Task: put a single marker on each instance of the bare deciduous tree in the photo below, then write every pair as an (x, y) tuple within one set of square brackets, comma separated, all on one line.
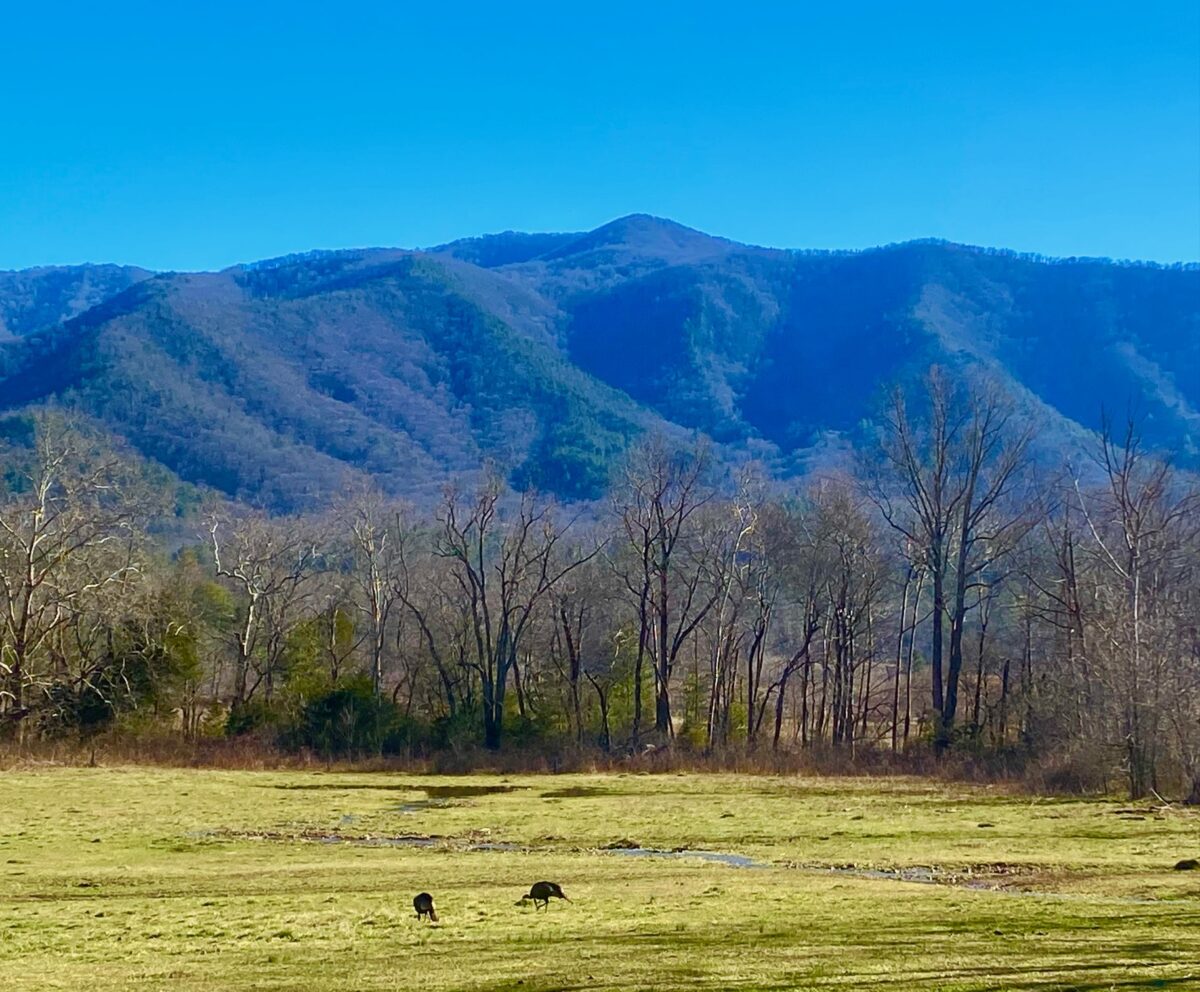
[(69, 537), (658, 500), (268, 562), (505, 565), (948, 484)]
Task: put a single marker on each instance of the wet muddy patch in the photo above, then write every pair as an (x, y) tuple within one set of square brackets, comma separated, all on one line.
[(465, 791), (432, 791), (981, 876), (990, 876), (1000, 878), (443, 796), (576, 792), (436, 796), (342, 786)]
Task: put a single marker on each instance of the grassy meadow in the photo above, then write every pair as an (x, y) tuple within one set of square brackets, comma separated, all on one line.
[(138, 878)]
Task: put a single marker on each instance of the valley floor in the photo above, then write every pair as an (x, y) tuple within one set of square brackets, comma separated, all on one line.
[(136, 878)]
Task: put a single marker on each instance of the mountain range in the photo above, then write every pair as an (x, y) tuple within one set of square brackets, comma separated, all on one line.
[(277, 382)]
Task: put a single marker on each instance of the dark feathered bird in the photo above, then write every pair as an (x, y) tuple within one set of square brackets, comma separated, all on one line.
[(543, 892), (423, 904)]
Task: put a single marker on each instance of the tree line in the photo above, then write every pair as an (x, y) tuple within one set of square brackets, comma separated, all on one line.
[(950, 594)]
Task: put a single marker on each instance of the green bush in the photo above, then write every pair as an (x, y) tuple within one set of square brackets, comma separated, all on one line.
[(350, 720), (447, 731), (252, 716), (135, 675)]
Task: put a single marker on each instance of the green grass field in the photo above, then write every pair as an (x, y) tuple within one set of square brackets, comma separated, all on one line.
[(135, 878)]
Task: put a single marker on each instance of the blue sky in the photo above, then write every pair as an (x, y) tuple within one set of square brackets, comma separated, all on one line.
[(195, 136)]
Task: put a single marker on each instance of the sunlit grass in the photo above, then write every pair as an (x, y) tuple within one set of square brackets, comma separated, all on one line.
[(140, 878)]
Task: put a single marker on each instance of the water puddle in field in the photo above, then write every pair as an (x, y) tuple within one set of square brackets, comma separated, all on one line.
[(921, 874), (420, 805), (717, 857)]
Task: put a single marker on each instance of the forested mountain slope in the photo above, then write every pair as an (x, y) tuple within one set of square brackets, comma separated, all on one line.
[(279, 381), (32, 299)]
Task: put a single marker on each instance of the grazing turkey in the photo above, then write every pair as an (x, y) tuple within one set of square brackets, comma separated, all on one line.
[(543, 892), (423, 904)]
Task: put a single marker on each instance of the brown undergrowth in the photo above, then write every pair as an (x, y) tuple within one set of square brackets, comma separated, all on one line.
[(1055, 776)]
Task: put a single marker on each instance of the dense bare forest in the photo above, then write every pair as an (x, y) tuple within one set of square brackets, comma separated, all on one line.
[(951, 596)]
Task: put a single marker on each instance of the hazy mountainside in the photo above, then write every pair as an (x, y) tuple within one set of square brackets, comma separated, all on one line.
[(32, 299), (549, 353)]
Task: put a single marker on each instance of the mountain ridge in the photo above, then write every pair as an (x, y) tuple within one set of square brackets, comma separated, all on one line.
[(280, 381)]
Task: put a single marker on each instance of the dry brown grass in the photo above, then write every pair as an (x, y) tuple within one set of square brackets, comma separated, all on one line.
[(251, 753)]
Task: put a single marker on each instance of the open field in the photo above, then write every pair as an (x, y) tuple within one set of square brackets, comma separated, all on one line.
[(135, 878)]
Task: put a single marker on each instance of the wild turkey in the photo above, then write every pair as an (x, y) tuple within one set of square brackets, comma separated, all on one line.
[(543, 892), (423, 904)]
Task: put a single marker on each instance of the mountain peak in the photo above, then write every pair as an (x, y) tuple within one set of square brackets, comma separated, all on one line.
[(643, 236), (649, 224)]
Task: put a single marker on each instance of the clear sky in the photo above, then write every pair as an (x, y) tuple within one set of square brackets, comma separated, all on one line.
[(180, 135)]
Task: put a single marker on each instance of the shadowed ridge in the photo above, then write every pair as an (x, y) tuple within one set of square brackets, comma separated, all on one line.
[(491, 251), (62, 356)]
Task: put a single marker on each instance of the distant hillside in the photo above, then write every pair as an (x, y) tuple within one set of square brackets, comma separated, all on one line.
[(33, 299), (549, 353)]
